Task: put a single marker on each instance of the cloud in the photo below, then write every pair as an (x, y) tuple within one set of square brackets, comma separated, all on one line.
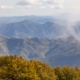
[(39, 3), (23, 3), (54, 2), (6, 7), (28, 2), (59, 6)]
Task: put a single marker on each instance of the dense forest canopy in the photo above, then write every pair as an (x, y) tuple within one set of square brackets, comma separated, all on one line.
[(17, 68)]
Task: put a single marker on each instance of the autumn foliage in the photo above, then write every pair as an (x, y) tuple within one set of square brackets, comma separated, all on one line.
[(17, 68)]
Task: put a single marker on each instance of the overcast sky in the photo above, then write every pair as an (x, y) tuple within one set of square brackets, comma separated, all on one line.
[(38, 7)]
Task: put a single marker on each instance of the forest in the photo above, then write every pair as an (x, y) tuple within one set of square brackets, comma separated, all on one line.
[(17, 68)]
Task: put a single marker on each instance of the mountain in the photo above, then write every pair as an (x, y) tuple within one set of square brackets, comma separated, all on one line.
[(37, 19), (49, 30), (31, 47), (19, 29), (47, 41), (28, 28), (63, 51)]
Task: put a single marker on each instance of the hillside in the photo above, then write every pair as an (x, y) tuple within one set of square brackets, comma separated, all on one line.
[(19, 29), (63, 51), (49, 30), (31, 47), (28, 29)]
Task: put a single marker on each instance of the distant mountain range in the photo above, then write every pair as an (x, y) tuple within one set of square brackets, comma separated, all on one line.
[(28, 29), (49, 30), (44, 38), (37, 19), (64, 51)]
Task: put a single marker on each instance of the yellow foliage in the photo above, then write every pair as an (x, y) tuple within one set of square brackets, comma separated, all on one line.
[(17, 68)]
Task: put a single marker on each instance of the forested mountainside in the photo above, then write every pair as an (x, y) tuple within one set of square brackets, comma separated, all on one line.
[(49, 30), (28, 29), (63, 51)]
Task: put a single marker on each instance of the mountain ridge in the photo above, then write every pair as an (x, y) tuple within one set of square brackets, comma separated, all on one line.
[(53, 51), (28, 28)]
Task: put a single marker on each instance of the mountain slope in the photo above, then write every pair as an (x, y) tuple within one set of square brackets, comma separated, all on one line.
[(57, 52), (64, 52), (20, 29), (28, 29), (49, 30), (32, 47)]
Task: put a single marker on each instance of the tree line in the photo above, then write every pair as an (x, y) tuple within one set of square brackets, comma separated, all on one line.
[(17, 68)]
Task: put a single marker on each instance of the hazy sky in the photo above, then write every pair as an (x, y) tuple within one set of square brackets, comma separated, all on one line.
[(38, 7)]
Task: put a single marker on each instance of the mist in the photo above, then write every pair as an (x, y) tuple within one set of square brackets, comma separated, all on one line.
[(70, 26)]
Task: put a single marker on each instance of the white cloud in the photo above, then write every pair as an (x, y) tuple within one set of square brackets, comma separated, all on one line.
[(41, 3), (51, 6), (23, 3), (28, 2), (53, 1), (59, 6), (6, 7)]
